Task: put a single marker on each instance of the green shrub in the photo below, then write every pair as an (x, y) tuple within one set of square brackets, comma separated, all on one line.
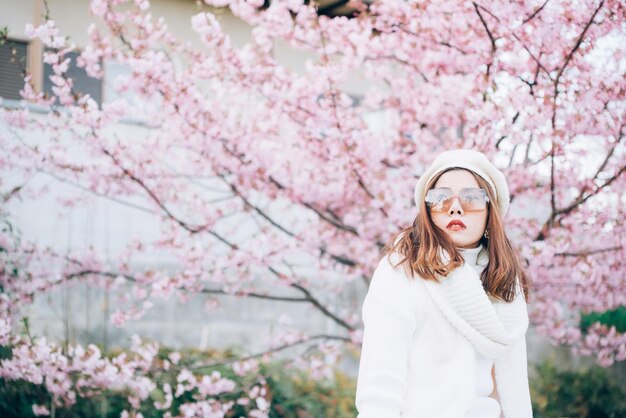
[(615, 317), (592, 393), (17, 398), (295, 394)]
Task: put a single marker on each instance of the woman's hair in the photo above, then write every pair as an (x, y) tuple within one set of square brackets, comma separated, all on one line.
[(420, 243)]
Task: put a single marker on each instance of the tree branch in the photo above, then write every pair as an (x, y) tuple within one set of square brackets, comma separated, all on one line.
[(535, 13), (568, 59), (588, 252), (581, 196), (552, 182), (269, 351), (129, 278), (308, 295), (340, 259), (153, 196), (598, 189), (333, 92), (578, 42), (482, 20)]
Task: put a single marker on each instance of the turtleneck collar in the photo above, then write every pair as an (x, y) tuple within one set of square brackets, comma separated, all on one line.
[(489, 324), (470, 255)]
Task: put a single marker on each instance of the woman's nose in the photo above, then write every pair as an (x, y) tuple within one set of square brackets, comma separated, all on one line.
[(455, 207)]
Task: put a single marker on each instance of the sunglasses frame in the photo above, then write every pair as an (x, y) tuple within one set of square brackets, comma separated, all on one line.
[(430, 204)]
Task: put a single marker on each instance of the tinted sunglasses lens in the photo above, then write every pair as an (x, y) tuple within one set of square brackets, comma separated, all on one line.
[(438, 200), (472, 200)]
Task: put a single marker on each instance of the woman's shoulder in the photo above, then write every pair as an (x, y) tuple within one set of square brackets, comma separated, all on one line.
[(392, 282)]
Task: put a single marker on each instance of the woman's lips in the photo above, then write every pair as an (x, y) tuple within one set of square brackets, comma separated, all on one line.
[(456, 228), (456, 225)]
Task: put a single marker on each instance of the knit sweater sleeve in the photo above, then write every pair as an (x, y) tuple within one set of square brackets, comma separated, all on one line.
[(389, 321), (512, 376), (512, 371)]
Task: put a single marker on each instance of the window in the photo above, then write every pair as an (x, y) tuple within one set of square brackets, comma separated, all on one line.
[(139, 106), (12, 67), (112, 71), (82, 82)]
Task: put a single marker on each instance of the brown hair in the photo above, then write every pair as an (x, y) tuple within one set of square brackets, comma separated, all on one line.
[(420, 242)]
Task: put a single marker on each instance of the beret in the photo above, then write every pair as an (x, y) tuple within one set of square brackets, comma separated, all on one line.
[(471, 160)]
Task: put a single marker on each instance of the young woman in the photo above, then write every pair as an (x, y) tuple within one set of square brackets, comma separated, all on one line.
[(445, 316)]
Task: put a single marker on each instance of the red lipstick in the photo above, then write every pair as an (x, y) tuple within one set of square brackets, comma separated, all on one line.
[(456, 225)]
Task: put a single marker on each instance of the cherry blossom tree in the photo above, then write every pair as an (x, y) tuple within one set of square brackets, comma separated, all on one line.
[(536, 85)]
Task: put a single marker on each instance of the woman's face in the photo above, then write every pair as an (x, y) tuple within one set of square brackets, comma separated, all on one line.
[(472, 225)]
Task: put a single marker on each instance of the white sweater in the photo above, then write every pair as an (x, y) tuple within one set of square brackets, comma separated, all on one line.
[(420, 340), (483, 406)]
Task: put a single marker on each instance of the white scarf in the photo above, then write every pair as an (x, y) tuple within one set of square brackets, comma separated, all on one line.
[(491, 327)]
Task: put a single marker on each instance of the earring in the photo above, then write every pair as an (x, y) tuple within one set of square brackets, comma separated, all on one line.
[(486, 234)]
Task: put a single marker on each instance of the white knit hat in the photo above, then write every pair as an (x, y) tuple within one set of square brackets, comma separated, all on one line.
[(471, 160)]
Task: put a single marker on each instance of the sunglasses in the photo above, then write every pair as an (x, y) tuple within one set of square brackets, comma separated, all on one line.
[(472, 199)]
